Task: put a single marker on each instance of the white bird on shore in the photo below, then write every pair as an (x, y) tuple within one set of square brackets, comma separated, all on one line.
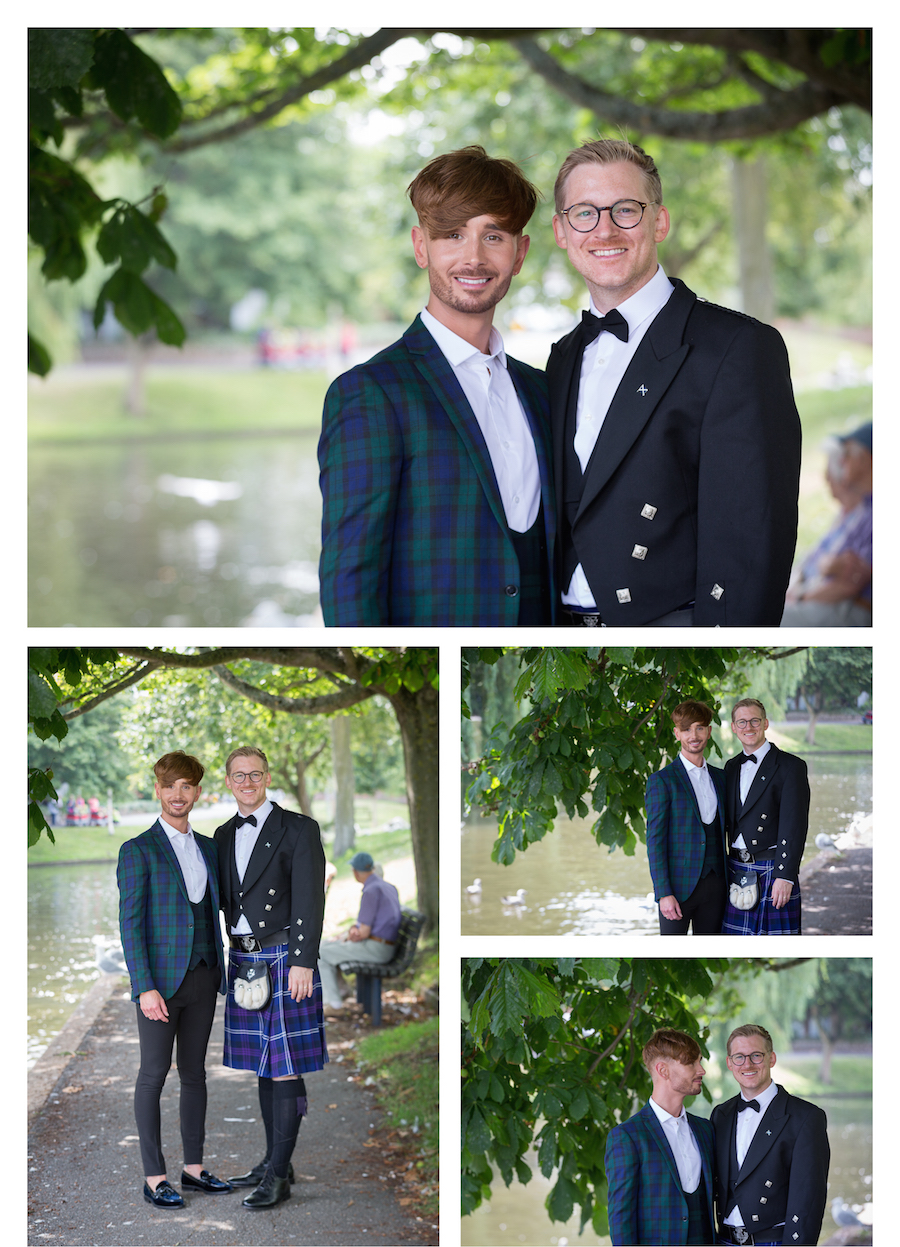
[(825, 842), (842, 1213), (518, 899), (474, 888), (109, 956)]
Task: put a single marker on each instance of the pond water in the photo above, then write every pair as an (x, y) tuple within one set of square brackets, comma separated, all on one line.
[(576, 887), (220, 531), (516, 1215)]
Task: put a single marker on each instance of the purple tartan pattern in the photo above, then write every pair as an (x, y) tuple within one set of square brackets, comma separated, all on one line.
[(288, 1036), (763, 918)]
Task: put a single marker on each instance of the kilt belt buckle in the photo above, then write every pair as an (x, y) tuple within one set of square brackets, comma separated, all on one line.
[(741, 1235), (250, 944), (744, 856)]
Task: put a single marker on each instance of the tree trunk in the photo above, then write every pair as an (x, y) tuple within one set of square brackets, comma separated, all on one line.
[(342, 762), (417, 714), (135, 391), (750, 211), (301, 789)]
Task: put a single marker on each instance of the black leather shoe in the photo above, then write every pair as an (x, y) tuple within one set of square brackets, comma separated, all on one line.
[(165, 1196), (207, 1182), (254, 1176), (270, 1192)]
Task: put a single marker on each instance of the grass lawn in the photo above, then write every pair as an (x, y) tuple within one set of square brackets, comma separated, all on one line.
[(403, 1064), (85, 405), (799, 1074), (830, 738)]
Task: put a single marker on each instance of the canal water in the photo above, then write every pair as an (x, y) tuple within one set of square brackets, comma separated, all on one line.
[(220, 531), (574, 886)]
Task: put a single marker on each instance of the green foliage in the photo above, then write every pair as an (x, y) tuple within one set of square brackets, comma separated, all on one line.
[(63, 207), (410, 668), (599, 727), (89, 759), (835, 675), (551, 1059)]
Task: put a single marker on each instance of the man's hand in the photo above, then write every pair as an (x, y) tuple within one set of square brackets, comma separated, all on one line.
[(353, 935), (781, 892), (153, 1006), (300, 982), (669, 908)]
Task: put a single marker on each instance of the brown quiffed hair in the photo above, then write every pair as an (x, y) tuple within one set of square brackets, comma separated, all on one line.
[(178, 765), (692, 711), (459, 185), (246, 751), (670, 1045), (609, 152), (747, 1032), (748, 701)]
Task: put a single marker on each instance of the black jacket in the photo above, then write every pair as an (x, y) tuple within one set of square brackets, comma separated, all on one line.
[(775, 817)]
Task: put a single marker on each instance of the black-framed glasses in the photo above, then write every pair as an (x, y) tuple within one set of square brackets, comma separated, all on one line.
[(238, 776), (755, 1058), (742, 723), (626, 213)]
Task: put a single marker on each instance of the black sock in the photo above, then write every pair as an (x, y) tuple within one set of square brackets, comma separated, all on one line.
[(265, 1108), (288, 1107)]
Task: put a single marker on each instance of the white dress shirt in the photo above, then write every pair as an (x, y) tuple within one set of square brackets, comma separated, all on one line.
[(704, 790), (602, 369), (749, 771), (683, 1144), (245, 838), (190, 859), (486, 383), (747, 1125)]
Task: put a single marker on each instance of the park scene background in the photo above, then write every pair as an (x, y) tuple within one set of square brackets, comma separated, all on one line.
[(587, 874), (534, 1134), (99, 719), (256, 214)]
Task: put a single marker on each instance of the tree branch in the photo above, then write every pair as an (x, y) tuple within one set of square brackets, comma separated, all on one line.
[(350, 695), (625, 1030), (118, 686)]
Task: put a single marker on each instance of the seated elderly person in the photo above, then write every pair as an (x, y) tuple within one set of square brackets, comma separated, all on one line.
[(834, 585), (373, 937)]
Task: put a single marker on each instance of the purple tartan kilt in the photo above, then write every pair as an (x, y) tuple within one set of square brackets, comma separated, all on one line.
[(288, 1036), (763, 918)]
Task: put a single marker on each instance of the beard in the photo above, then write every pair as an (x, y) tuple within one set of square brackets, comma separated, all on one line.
[(473, 302)]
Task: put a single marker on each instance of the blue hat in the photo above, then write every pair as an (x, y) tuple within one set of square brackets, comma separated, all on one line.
[(362, 861), (862, 436)]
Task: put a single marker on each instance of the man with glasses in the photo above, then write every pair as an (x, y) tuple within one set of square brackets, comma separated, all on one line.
[(767, 806), (772, 1152), (435, 454), (676, 439), (272, 872)]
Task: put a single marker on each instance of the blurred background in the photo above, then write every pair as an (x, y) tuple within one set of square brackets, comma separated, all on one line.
[(177, 486)]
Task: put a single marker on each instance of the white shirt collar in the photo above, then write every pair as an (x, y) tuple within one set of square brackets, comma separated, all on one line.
[(172, 832), (765, 1098), (692, 765), (457, 349), (662, 1115), (261, 813), (761, 752), (645, 302)]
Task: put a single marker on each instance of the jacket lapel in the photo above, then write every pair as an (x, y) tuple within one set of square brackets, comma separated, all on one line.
[(540, 435), (774, 1121), (165, 848), (762, 780), (651, 1122), (682, 778), (270, 836), (655, 364), (431, 365)]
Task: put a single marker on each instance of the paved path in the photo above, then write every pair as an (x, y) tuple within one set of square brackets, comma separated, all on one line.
[(84, 1161), (837, 893)]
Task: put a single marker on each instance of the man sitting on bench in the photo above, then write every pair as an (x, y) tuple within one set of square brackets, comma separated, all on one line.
[(373, 937)]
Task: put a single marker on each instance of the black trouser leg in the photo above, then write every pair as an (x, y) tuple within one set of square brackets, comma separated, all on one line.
[(194, 1026), (705, 908), (288, 1106)]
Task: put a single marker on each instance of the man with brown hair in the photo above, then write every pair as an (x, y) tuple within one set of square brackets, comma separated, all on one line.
[(273, 892), (660, 1163), (169, 918), (772, 1152), (676, 439), (686, 830), (435, 454), (767, 803)]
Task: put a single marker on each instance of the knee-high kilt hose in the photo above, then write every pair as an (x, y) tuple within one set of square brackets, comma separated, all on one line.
[(288, 1036), (764, 918)]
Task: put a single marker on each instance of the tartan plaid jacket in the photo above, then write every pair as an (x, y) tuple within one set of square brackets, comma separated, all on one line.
[(646, 1200), (155, 915), (413, 527), (675, 836)]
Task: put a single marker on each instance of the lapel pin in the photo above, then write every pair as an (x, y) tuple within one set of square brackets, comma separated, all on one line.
[(642, 390)]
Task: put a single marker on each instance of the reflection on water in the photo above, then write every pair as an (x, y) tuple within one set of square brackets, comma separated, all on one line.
[(575, 887), (221, 531), (67, 907)]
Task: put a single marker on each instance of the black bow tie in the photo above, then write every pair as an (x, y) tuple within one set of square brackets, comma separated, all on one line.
[(748, 757), (748, 1104), (592, 326), (251, 818)]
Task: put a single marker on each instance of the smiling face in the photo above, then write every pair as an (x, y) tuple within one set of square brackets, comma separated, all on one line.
[(752, 1079), (693, 740), (176, 800), (751, 737), (614, 262), (249, 793), (470, 269)]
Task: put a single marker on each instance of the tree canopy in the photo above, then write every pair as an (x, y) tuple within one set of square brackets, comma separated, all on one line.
[(97, 93)]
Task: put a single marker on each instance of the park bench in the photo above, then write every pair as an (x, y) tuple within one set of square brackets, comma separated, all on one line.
[(369, 976)]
